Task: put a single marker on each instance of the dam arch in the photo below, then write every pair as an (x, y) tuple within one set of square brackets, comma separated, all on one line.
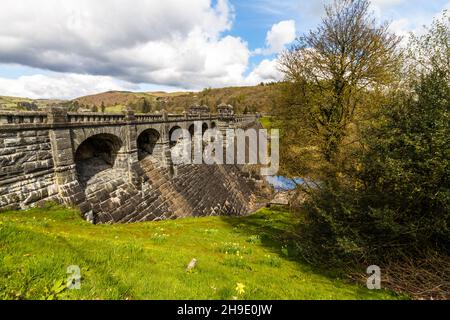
[(96, 154), (147, 143)]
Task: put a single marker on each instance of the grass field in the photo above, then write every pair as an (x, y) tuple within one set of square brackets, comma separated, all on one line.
[(238, 258)]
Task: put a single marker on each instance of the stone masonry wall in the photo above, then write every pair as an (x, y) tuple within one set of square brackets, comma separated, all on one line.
[(195, 190), (37, 164), (26, 169)]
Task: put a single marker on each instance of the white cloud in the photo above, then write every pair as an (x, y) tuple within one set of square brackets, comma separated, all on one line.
[(102, 45), (386, 4), (280, 35), (401, 27), (405, 26), (172, 42), (60, 86), (266, 71)]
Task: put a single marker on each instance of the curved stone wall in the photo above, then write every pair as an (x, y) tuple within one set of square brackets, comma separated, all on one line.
[(193, 190), (58, 156)]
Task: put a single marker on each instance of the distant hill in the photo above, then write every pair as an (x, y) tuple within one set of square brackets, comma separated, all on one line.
[(17, 103), (261, 98), (112, 98)]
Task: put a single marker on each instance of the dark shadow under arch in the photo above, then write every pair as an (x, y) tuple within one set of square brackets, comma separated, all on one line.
[(96, 154), (146, 142)]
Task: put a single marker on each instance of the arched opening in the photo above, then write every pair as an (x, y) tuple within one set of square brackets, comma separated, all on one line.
[(213, 125), (146, 143), (96, 154), (204, 128), (174, 139)]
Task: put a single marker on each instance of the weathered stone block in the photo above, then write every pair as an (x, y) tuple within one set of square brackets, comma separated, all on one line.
[(13, 142)]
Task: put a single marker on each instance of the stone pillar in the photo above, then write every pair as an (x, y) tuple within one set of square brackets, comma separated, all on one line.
[(56, 115), (129, 114), (128, 157), (166, 156), (225, 122), (66, 180)]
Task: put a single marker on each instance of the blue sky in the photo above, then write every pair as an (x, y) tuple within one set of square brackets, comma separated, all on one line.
[(255, 17), (55, 49)]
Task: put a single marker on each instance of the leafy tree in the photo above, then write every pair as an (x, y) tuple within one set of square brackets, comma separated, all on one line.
[(103, 107), (396, 199), (330, 71), (430, 51), (146, 108), (142, 106)]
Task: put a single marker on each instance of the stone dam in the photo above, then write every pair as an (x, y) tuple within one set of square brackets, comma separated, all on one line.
[(117, 168)]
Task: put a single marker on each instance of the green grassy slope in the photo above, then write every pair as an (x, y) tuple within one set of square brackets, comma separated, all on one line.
[(148, 260), (11, 103)]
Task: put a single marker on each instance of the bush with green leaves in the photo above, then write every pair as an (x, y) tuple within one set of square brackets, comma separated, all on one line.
[(398, 195), (393, 196)]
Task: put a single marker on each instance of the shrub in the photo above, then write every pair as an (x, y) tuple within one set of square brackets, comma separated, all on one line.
[(398, 196)]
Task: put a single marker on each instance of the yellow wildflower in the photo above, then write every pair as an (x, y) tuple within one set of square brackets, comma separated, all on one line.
[(240, 288)]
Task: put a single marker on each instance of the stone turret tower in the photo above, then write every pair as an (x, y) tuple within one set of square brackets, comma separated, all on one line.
[(225, 109)]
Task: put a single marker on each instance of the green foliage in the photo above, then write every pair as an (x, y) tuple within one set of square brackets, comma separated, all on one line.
[(398, 197), (52, 293), (299, 150), (407, 166), (430, 51), (272, 261), (266, 122), (387, 195), (254, 239), (142, 105), (72, 106)]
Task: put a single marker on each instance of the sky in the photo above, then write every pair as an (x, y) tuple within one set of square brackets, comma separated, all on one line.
[(66, 49)]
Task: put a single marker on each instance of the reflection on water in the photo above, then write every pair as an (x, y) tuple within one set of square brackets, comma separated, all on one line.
[(281, 183)]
